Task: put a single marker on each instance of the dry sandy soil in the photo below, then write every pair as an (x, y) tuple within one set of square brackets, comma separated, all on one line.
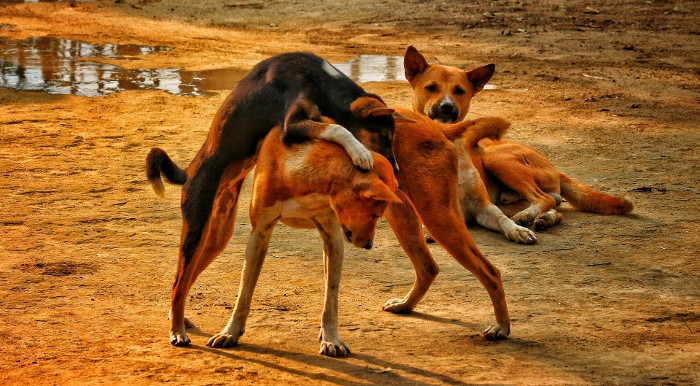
[(610, 91)]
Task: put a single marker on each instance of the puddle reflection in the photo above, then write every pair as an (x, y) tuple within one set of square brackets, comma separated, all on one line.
[(59, 66), (63, 66), (373, 68)]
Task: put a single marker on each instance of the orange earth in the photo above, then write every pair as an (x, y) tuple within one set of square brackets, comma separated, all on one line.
[(608, 90)]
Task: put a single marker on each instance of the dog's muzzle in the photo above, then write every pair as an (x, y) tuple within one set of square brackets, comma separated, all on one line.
[(444, 112)]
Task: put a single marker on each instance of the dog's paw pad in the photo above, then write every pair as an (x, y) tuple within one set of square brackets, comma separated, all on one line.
[(396, 306), (496, 332)]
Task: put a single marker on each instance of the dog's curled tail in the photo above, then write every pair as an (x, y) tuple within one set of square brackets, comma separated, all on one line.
[(472, 131), (158, 162), (586, 199)]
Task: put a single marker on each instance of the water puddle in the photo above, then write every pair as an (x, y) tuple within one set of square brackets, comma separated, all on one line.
[(63, 66)]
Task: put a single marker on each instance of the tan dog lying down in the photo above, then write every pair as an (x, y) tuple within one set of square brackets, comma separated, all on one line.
[(311, 185), (519, 180)]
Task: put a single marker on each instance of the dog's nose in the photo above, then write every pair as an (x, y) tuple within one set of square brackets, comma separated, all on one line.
[(348, 234), (447, 108), (368, 246)]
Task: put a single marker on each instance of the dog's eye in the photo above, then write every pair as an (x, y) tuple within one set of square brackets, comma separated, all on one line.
[(431, 88), (459, 91)]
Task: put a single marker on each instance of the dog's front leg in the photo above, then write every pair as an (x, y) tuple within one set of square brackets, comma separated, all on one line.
[(258, 241), (332, 236), (490, 217), (303, 121)]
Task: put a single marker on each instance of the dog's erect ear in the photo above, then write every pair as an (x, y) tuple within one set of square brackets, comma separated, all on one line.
[(365, 107), (414, 63), (402, 118), (480, 76), (377, 190)]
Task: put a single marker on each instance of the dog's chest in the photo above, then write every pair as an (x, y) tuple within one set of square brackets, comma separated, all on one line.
[(297, 211)]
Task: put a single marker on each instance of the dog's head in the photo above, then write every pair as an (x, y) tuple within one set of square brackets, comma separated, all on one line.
[(443, 93), (360, 205), (376, 128)]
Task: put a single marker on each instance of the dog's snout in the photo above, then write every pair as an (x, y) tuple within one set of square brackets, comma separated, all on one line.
[(368, 246)]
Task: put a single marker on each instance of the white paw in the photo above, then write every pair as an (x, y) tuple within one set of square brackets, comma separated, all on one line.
[(335, 350), (222, 340), (496, 332), (332, 346), (179, 338), (521, 235), (396, 306), (548, 219), (361, 157)]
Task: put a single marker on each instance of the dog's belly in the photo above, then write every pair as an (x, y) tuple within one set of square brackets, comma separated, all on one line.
[(298, 212)]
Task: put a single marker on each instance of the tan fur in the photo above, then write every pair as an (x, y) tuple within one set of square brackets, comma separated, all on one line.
[(313, 184), (509, 171), (429, 191)]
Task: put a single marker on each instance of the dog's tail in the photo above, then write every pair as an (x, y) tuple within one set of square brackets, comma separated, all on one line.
[(472, 131), (158, 162), (586, 199)]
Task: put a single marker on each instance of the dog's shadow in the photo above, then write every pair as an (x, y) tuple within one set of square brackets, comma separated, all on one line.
[(439, 319), (371, 370)]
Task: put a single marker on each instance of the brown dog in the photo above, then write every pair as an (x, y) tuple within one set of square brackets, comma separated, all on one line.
[(280, 91), (428, 190), (310, 185), (428, 195), (510, 171)]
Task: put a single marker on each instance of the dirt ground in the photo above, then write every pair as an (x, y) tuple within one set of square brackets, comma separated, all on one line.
[(610, 91)]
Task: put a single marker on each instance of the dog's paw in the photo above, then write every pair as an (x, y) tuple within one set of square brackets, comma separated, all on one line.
[(548, 219), (222, 340), (332, 346), (521, 235), (179, 338), (396, 306), (361, 157), (522, 219), (496, 332), (335, 350)]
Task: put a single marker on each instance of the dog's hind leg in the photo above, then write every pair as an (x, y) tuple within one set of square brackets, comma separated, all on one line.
[(445, 223), (208, 221), (407, 226), (530, 175), (451, 233), (332, 236), (258, 242)]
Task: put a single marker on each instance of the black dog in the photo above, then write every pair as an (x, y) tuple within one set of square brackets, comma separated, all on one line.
[(290, 90)]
